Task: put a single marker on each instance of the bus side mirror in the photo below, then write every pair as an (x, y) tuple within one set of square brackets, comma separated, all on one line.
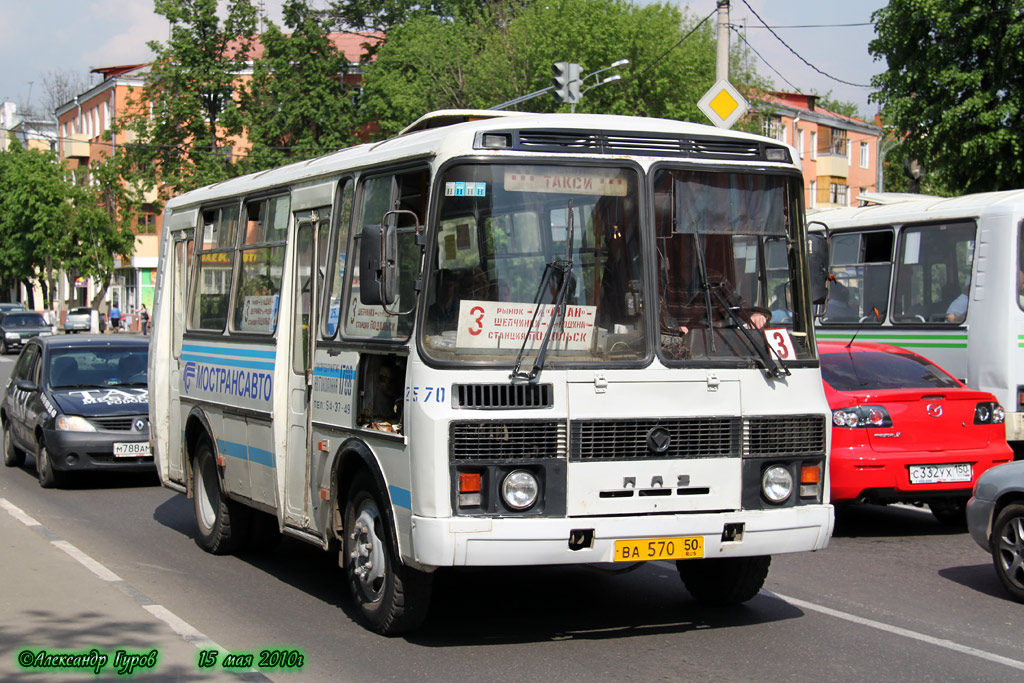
[(378, 265), (817, 266)]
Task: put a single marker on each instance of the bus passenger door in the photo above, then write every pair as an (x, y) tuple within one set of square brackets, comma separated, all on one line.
[(181, 267), (311, 248)]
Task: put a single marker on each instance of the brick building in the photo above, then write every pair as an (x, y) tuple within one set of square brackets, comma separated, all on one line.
[(839, 154)]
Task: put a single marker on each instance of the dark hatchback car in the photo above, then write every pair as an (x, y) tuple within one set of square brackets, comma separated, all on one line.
[(78, 403), (17, 327)]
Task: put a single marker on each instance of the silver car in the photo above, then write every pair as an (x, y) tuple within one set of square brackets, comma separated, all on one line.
[(80, 320), (995, 518)]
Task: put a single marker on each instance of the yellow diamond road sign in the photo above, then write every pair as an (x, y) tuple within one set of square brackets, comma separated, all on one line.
[(723, 104)]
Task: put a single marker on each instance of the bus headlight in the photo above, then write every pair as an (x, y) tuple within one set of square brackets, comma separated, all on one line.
[(519, 490), (777, 484)]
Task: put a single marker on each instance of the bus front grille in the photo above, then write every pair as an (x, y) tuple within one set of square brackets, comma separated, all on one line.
[(503, 396), (506, 440), (774, 435), (695, 437)]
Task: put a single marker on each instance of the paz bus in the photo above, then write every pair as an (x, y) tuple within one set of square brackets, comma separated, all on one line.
[(500, 339), (946, 276)]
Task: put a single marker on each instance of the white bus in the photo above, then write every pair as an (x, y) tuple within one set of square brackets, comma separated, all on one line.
[(946, 276), (499, 339)]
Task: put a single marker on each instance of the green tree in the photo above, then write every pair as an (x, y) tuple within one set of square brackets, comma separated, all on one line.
[(50, 224), (34, 212), (297, 104), (376, 17), (953, 91), (186, 118), (100, 226), (842, 107), (507, 49)]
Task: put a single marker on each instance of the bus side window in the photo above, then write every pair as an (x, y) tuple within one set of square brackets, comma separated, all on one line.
[(381, 385)]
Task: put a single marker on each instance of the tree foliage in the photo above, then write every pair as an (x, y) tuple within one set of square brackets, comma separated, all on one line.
[(186, 117), (505, 50), (297, 104), (49, 224), (954, 88)]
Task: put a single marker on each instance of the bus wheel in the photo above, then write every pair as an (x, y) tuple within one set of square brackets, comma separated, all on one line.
[(222, 524), (12, 456), (392, 598), (724, 581)]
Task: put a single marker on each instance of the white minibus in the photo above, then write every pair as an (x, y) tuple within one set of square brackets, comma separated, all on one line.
[(500, 339)]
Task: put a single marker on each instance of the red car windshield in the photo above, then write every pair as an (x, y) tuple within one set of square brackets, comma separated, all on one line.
[(876, 370)]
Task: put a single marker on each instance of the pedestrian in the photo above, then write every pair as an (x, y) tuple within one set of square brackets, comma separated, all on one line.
[(115, 318), (144, 317)]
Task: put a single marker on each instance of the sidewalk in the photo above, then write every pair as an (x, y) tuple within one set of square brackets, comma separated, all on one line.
[(51, 601)]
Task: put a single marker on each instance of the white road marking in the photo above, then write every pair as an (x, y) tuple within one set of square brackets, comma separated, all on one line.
[(182, 628), (896, 630), (888, 628)]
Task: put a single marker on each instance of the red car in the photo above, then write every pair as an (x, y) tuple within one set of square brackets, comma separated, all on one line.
[(905, 430)]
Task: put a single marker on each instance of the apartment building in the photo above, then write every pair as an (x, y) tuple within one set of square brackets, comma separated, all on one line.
[(839, 154), (30, 130)]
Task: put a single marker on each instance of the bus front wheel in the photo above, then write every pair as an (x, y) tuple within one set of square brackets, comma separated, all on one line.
[(221, 523), (726, 580), (391, 597)]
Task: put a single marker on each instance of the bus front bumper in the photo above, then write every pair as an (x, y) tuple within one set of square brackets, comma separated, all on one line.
[(492, 541)]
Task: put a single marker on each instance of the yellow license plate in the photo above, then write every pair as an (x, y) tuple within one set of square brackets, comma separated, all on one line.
[(642, 549)]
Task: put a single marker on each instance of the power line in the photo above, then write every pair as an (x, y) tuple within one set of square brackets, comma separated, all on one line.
[(761, 57), (678, 43), (777, 37)]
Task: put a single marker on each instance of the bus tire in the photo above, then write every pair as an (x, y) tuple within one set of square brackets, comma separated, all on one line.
[(391, 597), (12, 456), (726, 580), (221, 523)]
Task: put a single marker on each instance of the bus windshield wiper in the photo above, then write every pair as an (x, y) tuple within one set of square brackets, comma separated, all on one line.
[(561, 269), (773, 366)]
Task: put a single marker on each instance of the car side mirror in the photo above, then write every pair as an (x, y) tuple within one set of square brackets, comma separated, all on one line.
[(817, 267), (26, 385)]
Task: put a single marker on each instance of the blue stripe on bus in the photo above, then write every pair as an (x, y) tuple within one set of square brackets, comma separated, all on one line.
[(243, 452), (229, 362), (401, 497), (347, 373), (229, 351)]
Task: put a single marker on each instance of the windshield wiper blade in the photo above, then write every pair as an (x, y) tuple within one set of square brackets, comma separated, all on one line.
[(773, 367), (563, 270)]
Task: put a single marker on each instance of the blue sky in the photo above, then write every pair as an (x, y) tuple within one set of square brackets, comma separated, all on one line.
[(44, 36)]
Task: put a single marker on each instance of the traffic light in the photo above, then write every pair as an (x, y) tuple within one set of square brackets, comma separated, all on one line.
[(565, 79)]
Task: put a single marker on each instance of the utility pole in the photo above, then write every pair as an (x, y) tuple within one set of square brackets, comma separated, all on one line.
[(722, 56)]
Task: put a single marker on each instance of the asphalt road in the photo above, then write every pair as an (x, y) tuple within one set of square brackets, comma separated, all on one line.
[(895, 597)]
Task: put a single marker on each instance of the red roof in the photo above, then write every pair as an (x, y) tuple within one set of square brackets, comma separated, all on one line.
[(350, 44), (115, 71)]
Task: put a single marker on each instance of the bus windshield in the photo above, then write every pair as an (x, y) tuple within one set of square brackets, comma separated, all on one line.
[(500, 227), (724, 246)]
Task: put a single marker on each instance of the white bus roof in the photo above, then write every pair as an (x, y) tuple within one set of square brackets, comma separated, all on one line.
[(891, 207), (427, 140)]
